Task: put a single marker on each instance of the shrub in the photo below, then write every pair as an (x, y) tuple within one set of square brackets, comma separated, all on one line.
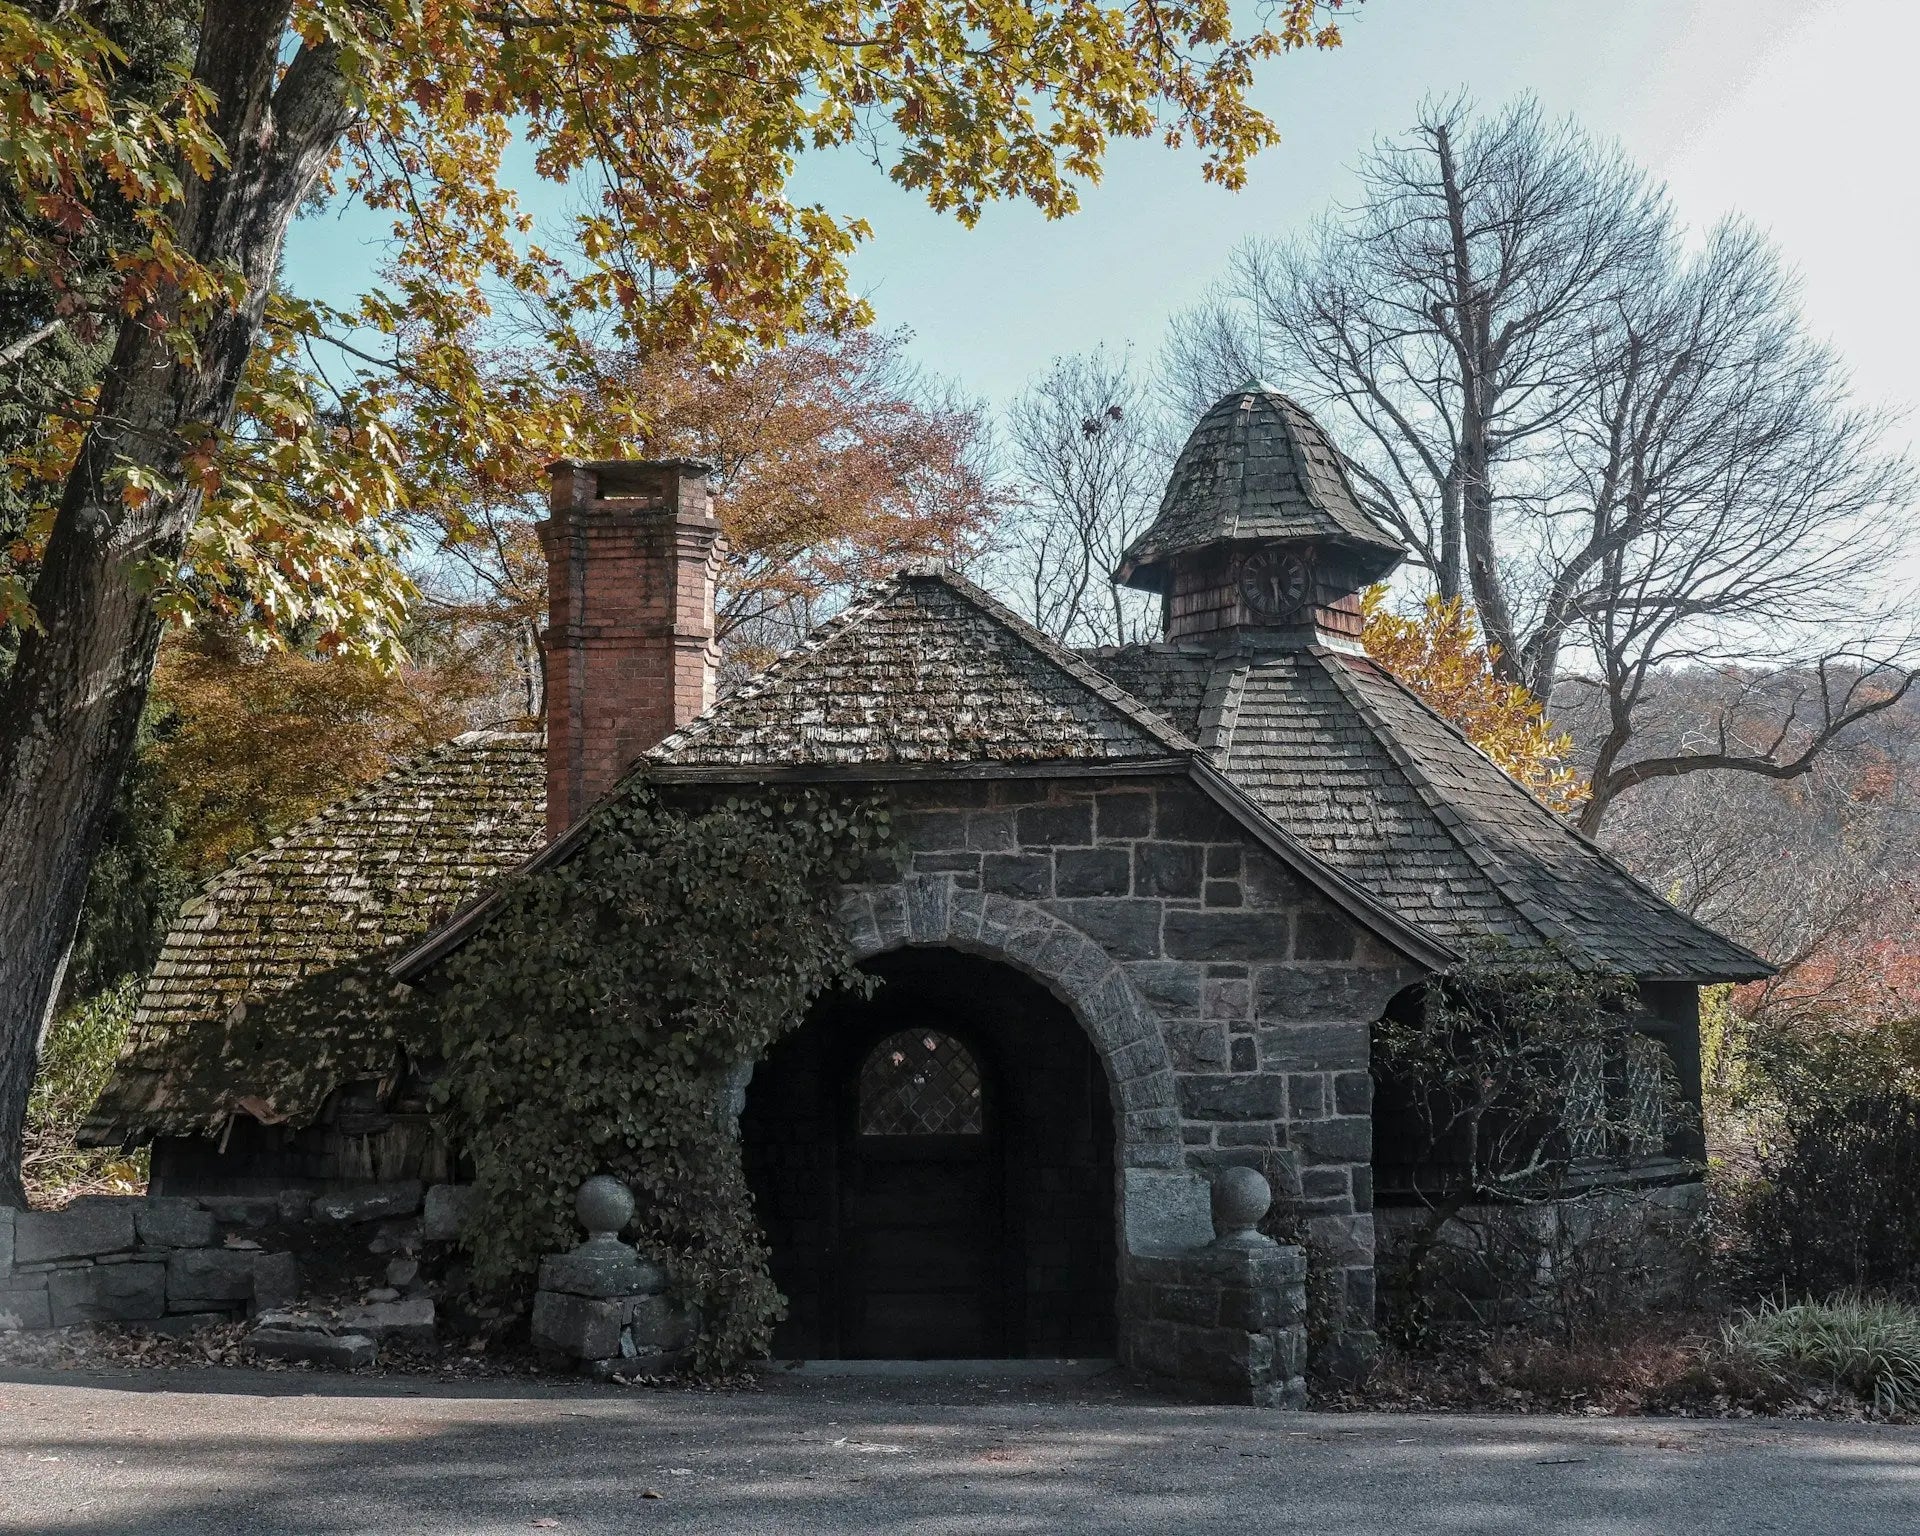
[(1516, 1086), (1837, 1206), (75, 1062), (1868, 1347)]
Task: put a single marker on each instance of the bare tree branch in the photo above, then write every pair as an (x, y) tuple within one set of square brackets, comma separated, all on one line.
[(1627, 452), (1090, 455)]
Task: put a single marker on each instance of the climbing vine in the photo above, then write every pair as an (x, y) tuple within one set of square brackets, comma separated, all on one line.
[(595, 1022)]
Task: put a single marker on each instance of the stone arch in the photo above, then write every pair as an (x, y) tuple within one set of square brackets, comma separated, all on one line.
[(1125, 1031)]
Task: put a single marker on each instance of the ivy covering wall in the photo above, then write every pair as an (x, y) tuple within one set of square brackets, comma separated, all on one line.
[(594, 1023)]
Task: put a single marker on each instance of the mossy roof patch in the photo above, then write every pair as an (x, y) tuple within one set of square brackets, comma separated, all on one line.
[(355, 880), (924, 670)]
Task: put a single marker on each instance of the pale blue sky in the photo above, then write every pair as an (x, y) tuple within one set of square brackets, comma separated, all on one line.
[(1796, 112)]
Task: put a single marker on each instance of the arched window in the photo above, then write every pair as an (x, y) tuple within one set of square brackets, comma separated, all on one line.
[(920, 1083)]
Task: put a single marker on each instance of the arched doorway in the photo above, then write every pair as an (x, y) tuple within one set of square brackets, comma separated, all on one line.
[(933, 1168)]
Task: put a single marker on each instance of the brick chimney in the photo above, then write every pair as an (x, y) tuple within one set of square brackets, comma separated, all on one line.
[(632, 550)]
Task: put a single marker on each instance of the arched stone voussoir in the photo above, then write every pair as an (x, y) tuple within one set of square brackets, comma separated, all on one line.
[(928, 910)]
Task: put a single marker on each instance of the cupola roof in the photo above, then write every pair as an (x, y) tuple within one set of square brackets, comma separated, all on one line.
[(1257, 467)]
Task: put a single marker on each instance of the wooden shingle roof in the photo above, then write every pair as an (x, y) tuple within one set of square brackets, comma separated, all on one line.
[(360, 877), (1368, 778), (924, 669), (1257, 467)]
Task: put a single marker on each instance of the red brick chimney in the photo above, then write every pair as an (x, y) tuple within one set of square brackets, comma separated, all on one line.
[(632, 549)]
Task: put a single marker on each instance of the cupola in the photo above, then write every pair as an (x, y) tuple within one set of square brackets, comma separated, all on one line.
[(1260, 539)]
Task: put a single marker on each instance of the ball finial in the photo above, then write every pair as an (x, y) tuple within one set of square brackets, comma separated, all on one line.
[(1241, 1197), (604, 1206)]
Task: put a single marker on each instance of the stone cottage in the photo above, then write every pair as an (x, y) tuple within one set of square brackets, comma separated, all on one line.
[(1157, 899)]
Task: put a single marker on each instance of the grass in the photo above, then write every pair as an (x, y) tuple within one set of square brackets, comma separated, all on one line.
[(75, 1064), (1869, 1347)]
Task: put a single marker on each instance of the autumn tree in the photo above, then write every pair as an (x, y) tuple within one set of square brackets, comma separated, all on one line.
[(251, 739), (683, 120), (835, 463), (1438, 653), (1619, 444)]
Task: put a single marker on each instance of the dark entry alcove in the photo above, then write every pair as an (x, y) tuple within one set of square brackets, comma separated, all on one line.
[(933, 1168)]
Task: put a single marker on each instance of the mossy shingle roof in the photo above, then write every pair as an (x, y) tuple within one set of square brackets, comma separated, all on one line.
[(362, 876), (1257, 467), (924, 669)]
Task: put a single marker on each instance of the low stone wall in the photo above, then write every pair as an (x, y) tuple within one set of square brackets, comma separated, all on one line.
[(178, 1263), (175, 1263), (1610, 1249)]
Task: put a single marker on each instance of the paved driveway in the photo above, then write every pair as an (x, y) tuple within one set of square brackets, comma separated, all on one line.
[(165, 1454)]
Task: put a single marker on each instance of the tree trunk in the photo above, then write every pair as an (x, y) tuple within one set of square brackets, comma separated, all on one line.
[(71, 708), (1473, 458)]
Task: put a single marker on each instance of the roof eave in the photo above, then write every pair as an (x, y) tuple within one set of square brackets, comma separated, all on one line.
[(1415, 943)]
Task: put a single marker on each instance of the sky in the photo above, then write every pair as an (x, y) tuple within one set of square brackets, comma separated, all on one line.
[(1795, 113)]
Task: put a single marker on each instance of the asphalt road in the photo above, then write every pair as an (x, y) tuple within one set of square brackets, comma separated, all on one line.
[(170, 1453)]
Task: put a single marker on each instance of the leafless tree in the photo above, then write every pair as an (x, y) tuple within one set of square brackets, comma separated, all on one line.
[(1625, 451), (1790, 867), (1089, 453)]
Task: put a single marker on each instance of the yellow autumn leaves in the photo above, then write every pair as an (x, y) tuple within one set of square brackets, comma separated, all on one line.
[(1439, 654)]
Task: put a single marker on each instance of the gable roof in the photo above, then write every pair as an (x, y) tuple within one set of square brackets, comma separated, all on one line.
[(363, 875), (928, 674), (1386, 791), (924, 669), (1257, 467)]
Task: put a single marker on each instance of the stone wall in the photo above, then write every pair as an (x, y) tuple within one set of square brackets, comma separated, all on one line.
[(175, 1263), (1607, 1250), (178, 1263), (1231, 1003)]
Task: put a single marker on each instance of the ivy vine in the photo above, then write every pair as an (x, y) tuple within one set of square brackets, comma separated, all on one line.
[(595, 1023)]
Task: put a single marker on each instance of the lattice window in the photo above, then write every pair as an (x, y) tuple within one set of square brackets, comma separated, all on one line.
[(1585, 1115), (920, 1083)]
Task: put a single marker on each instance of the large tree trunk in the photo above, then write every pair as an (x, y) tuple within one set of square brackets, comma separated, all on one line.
[(1474, 352), (72, 705)]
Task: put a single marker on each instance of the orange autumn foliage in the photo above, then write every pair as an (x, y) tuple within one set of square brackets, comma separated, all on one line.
[(1440, 655), (835, 464), (250, 741)]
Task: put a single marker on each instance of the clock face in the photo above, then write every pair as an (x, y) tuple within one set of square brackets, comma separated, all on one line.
[(1273, 583)]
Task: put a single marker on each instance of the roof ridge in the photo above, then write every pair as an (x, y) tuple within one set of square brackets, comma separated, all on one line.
[(1560, 823), (1089, 677), (1220, 706), (1241, 435)]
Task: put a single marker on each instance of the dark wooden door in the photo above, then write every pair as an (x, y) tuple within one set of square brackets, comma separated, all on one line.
[(921, 1180)]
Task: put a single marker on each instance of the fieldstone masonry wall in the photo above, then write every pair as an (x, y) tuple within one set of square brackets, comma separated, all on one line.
[(172, 1263), (176, 1264), (1231, 1003)]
